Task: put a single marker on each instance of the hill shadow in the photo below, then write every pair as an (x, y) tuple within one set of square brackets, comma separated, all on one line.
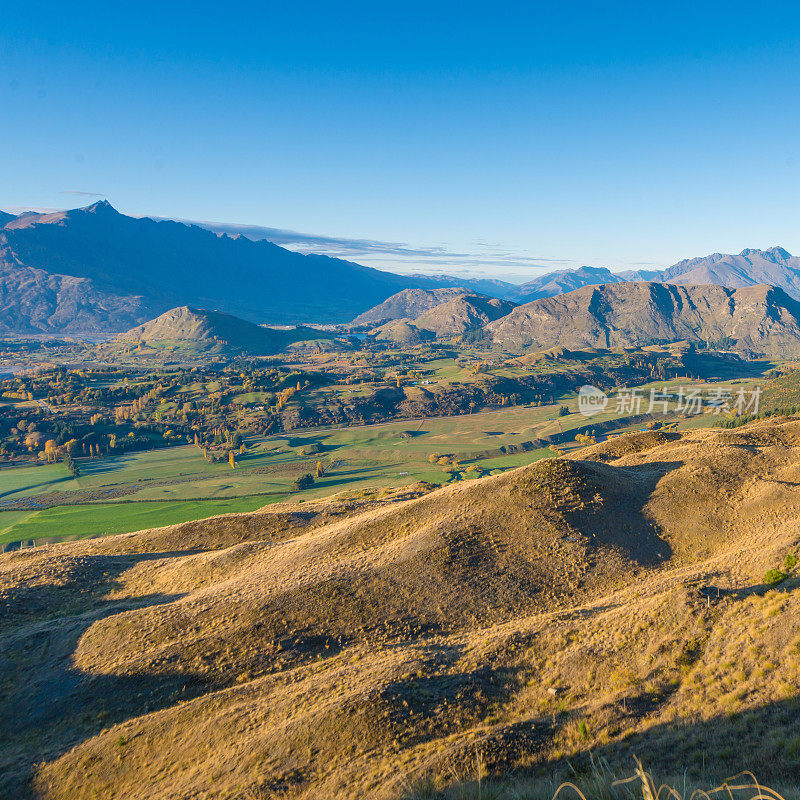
[(621, 521), (103, 465), (763, 739), (43, 697)]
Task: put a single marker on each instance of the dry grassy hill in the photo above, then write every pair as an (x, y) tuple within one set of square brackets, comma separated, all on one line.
[(343, 648), (753, 319), (455, 316), (215, 330)]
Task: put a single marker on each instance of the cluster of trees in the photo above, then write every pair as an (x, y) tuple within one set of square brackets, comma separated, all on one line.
[(451, 466)]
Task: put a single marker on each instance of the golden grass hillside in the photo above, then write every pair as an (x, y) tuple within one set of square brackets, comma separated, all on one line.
[(611, 603)]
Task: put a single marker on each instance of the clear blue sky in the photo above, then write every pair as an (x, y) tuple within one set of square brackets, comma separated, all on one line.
[(509, 138)]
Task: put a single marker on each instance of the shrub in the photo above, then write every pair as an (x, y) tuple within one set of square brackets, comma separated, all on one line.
[(72, 467), (790, 563), (773, 577), (304, 482), (309, 450)]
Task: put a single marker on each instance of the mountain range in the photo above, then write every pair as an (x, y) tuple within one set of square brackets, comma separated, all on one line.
[(95, 270), (754, 319), (751, 267)]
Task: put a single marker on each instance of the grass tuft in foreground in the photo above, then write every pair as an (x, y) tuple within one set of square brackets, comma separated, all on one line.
[(600, 784)]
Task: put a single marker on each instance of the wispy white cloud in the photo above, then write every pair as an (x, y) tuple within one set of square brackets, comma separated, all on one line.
[(483, 260), (487, 259), (83, 194)]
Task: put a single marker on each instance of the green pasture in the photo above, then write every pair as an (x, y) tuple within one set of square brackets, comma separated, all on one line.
[(76, 522), (176, 484)]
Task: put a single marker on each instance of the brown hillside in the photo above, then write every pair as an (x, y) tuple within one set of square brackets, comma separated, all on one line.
[(407, 304), (216, 330), (462, 314), (755, 319), (451, 317), (337, 649)]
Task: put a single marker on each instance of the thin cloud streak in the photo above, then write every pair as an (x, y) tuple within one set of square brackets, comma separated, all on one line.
[(397, 255), (83, 194), (489, 260)]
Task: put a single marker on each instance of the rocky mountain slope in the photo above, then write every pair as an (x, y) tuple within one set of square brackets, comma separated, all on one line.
[(454, 317), (563, 281), (107, 259), (775, 267), (216, 330), (35, 301), (758, 319), (407, 304), (462, 314), (610, 603), (751, 267)]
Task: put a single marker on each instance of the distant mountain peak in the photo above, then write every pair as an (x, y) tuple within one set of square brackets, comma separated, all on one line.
[(564, 280), (780, 252), (100, 207), (590, 270), (771, 253)]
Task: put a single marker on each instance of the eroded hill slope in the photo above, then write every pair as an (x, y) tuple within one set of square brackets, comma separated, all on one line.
[(754, 319), (337, 649)]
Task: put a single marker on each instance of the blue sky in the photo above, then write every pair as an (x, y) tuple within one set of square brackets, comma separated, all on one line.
[(505, 139)]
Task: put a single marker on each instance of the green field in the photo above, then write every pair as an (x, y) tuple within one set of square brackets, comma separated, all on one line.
[(159, 487), (75, 522)]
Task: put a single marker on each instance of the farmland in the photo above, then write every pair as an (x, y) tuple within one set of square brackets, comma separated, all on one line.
[(136, 490)]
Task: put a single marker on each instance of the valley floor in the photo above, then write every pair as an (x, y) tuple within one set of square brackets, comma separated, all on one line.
[(129, 492)]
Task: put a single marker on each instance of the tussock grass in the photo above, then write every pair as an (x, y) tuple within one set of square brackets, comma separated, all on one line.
[(557, 619), (601, 783)]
